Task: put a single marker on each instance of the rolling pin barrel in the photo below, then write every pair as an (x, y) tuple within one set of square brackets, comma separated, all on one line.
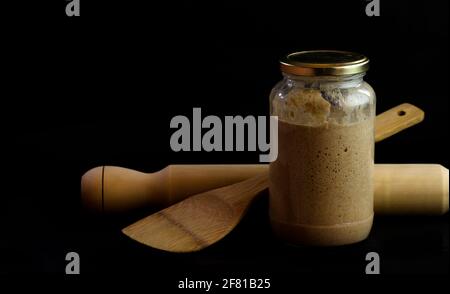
[(411, 189), (399, 188)]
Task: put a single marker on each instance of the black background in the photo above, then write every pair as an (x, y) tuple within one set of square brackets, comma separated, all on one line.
[(101, 89)]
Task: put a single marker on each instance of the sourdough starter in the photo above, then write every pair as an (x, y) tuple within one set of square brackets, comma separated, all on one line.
[(321, 189)]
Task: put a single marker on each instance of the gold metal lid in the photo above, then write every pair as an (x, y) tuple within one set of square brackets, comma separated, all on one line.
[(324, 63)]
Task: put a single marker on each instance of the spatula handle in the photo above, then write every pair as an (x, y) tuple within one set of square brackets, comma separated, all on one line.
[(397, 119)]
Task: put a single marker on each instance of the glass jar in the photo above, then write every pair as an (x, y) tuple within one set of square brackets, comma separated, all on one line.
[(321, 189)]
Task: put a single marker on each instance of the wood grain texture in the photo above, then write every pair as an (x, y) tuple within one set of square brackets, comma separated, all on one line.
[(199, 221), (397, 119)]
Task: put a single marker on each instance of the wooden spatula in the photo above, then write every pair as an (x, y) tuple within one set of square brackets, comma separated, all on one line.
[(203, 219), (200, 220)]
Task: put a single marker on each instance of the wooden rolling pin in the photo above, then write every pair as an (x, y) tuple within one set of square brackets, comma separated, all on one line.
[(399, 188)]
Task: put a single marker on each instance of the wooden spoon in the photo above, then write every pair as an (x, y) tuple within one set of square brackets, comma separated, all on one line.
[(203, 219)]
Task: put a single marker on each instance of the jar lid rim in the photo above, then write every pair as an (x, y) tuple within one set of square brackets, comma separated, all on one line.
[(324, 62)]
